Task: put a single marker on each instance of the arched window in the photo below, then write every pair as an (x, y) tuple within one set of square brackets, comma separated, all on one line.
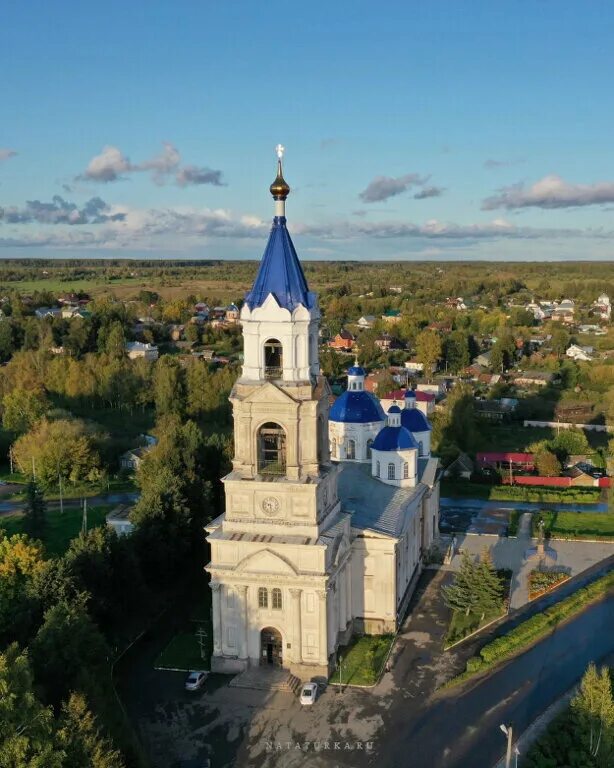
[(351, 450), (391, 471), (263, 597), (271, 449), (273, 359), (421, 448), (333, 448), (369, 444), (276, 599), (377, 469), (405, 470)]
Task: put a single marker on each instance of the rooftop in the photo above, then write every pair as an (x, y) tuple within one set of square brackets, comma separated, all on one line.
[(374, 505)]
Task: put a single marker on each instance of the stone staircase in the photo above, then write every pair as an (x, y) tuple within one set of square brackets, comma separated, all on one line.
[(267, 679)]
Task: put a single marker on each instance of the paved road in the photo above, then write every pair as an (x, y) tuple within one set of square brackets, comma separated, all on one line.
[(12, 507), (405, 721)]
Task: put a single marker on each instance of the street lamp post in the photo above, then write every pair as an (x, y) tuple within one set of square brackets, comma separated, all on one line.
[(507, 730)]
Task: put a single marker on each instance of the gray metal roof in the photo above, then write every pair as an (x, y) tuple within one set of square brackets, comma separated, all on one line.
[(374, 505)]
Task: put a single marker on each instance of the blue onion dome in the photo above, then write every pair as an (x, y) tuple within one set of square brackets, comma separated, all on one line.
[(394, 409), (356, 408), (356, 370), (394, 439), (414, 420)]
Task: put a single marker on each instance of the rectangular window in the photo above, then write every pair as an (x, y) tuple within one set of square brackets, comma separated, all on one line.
[(263, 597)]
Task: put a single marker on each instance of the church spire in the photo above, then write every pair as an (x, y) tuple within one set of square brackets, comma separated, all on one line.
[(279, 188), (280, 271)]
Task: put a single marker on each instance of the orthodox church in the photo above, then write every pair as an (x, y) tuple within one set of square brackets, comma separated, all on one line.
[(311, 550)]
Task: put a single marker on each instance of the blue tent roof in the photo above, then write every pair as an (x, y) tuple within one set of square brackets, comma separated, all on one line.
[(280, 273), (394, 439), (414, 420), (356, 408)]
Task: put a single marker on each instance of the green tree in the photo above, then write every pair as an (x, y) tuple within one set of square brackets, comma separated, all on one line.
[(7, 341), (26, 726), (593, 707), (463, 594), (489, 586), (60, 448), (502, 353), (192, 333), (115, 344), (168, 386), (81, 739), (570, 442), (428, 350), (547, 463), (559, 341), (456, 351), (69, 653), (35, 511), (21, 561), (22, 408)]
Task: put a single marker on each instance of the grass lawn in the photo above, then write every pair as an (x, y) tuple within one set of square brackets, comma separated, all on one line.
[(576, 525), (362, 661), (183, 652), (463, 489), (534, 629), (60, 528), (462, 625)]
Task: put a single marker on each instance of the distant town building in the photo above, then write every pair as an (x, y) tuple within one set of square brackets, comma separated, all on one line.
[(136, 349), (344, 341)]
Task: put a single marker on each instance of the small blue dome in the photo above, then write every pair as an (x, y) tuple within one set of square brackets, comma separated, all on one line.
[(414, 420), (356, 408), (394, 439), (356, 370), (410, 394), (394, 409)]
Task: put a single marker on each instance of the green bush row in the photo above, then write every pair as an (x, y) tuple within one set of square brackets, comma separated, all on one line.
[(535, 628)]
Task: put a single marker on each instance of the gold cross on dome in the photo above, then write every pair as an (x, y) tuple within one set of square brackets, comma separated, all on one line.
[(280, 150)]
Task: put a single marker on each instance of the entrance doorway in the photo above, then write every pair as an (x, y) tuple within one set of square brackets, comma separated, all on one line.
[(270, 647)]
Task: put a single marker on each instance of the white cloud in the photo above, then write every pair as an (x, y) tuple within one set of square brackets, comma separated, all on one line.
[(113, 165), (551, 192), (384, 187), (6, 153)]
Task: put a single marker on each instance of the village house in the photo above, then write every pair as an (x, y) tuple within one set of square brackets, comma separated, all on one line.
[(344, 341), (137, 349), (386, 342), (392, 316), (579, 353), (366, 321), (533, 378)]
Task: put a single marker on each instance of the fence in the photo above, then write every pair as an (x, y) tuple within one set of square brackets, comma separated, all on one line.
[(568, 425)]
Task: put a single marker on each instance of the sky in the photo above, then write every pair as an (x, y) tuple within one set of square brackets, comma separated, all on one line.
[(413, 130)]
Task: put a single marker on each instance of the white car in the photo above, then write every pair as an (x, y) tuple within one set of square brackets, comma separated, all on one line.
[(195, 681), (309, 693)]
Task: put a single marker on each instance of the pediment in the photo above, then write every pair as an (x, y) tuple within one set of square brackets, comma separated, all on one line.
[(269, 393), (266, 561)]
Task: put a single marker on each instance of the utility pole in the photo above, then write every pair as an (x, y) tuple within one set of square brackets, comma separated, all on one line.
[(84, 523), (11, 458), (507, 730), (33, 469)]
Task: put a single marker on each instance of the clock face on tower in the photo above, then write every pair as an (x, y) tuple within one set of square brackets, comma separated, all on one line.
[(270, 505)]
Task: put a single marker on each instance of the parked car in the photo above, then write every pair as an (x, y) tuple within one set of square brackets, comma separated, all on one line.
[(309, 693), (195, 680)]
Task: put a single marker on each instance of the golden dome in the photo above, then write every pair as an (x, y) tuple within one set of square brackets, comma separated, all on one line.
[(279, 188)]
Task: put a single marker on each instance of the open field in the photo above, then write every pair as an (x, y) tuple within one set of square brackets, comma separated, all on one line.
[(61, 528), (576, 525)]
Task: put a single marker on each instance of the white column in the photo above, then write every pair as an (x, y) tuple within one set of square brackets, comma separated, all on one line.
[(348, 584), (243, 647), (297, 628), (323, 640), (217, 617), (342, 599)]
